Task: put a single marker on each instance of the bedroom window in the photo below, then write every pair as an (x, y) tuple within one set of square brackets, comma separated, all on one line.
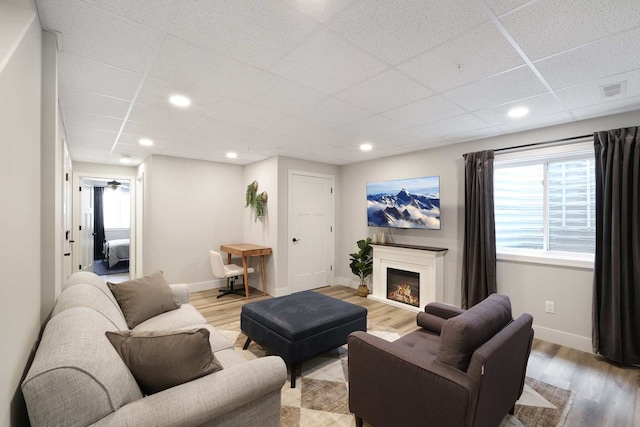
[(116, 205), (545, 205)]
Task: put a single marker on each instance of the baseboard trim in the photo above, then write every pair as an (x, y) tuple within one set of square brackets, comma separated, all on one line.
[(214, 284), (563, 338), (345, 281)]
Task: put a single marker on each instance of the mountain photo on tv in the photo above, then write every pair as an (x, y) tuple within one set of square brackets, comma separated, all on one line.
[(404, 203)]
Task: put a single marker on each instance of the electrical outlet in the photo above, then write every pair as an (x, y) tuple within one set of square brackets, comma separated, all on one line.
[(550, 307)]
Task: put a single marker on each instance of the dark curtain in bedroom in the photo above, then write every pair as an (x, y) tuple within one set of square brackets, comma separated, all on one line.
[(479, 253), (98, 223), (616, 282)]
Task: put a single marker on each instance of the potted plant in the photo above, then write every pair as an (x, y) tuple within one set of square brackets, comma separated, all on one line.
[(252, 189), (259, 203), (362, 264)]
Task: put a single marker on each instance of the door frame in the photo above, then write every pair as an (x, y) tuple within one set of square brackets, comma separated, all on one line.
[(332, 215), (133, 243)]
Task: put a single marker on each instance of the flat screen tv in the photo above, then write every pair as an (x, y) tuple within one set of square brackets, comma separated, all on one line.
[(404, 203)]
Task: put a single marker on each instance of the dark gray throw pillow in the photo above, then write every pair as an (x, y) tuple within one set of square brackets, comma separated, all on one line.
[(159, 360), (144, 298)]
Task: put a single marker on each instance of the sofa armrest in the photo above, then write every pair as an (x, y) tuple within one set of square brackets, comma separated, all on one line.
[(392, 384), (182, 292), (200, 401)]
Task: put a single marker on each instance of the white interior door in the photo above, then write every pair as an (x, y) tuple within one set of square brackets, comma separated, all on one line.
[(67, 215), (86, 227), (310, 230)]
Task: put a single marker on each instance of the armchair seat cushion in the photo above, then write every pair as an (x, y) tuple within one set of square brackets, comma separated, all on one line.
[(425, 342), (464, 333)]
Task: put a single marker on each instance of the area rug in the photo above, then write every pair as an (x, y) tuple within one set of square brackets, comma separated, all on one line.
[(101, 267), (321, 396)]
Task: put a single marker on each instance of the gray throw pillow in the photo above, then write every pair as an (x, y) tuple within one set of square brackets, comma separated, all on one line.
[(144, 298), (159, 360)]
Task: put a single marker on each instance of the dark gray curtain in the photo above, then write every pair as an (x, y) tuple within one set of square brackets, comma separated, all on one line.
[(616, 290), (479, 256), (98, 223)]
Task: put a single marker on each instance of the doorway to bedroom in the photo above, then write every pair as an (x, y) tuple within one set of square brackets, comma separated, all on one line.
[(104, 226)]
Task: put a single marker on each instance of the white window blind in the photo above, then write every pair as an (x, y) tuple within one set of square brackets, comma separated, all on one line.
[(545, 201)]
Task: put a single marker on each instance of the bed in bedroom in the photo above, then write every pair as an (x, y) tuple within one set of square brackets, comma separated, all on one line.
[(115, 251)]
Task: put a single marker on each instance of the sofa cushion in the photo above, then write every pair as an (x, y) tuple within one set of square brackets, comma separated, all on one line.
[(464, 333), (85, 295), (185, 316), (144, 298), (162, 359), (76, 377)]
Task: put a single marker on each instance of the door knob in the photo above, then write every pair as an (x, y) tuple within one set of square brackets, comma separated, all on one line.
[(67, 254), (295, 240)]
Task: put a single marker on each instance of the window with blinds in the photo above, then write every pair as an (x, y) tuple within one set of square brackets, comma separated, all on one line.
[(545, 201)]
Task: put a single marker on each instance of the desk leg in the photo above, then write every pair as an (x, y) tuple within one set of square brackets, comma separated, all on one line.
[(228, 262), (246, 276), (264, 276)]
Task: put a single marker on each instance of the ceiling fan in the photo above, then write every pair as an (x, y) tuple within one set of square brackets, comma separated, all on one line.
[(114, 184)]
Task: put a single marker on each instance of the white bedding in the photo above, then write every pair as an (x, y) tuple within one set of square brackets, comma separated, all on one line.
[(117, 250)]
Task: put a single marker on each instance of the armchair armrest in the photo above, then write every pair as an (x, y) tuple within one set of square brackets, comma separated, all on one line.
[(200, 401), (182, 292), (391, 384), (435, 314)]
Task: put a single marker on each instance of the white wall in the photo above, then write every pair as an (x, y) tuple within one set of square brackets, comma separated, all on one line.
[(263, 233), (190, 207), (106, 170), (528, 285), (20, 84)]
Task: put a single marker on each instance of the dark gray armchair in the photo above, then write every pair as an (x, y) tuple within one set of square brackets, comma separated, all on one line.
[(461, 369)]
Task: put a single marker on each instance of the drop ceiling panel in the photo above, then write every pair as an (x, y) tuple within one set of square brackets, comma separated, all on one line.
[(589, 94), (371, 127), (90, 137), (303, 129), (156, 93), (425, 111), (333, 112), (474, 55), (617, 106), (603, 58), (475, 134), (92, 76), (385, 91), (456, 125), (101, 36), (210, 130), (169, 117), (81, 118), (243, 114), (153, 131), (502, 88), (284, 96), (153, 14), (398, 30), (321, 11), (257, 32), (536, 122), (406, 136), (502, 6), (185, 64), (76, 99), (540, 105), (328, 64), (549, 26)]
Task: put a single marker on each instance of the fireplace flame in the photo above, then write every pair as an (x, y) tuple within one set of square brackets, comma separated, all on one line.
[(403, 294)]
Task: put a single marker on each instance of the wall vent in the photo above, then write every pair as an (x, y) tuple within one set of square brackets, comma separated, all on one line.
[(615, 89)]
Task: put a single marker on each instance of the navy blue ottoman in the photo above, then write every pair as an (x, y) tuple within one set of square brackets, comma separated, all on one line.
[(298, 327)]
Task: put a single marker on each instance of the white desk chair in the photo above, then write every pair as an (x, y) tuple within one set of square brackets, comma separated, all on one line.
[(229, 271)]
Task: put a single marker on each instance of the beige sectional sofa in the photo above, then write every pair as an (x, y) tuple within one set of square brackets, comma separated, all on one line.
[(77, 378)]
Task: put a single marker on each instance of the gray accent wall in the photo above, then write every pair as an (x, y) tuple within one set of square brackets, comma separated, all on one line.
[(528, 285)]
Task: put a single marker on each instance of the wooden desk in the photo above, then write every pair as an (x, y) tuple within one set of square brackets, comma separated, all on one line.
[(245, 250)]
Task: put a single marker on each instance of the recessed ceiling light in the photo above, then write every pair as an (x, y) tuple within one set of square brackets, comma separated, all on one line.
[(366, 147), (517, 112), (145, 141), (180, 101), (125, 159), (232, 155)]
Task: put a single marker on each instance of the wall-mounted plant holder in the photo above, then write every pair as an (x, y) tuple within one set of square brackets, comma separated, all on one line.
[(256, 201)]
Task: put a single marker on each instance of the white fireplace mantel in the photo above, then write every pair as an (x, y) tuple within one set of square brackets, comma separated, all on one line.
[(427, 261)]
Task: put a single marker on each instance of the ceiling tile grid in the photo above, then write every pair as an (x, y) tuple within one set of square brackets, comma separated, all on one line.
[(314, 80)]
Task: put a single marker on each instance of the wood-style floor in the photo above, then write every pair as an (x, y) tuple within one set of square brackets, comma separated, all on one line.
[(606, 395)]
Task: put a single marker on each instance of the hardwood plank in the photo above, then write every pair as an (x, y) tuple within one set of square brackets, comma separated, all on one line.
[(606, 394)]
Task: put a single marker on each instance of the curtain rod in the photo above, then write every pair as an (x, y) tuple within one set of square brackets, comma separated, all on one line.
[(534, 144)]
